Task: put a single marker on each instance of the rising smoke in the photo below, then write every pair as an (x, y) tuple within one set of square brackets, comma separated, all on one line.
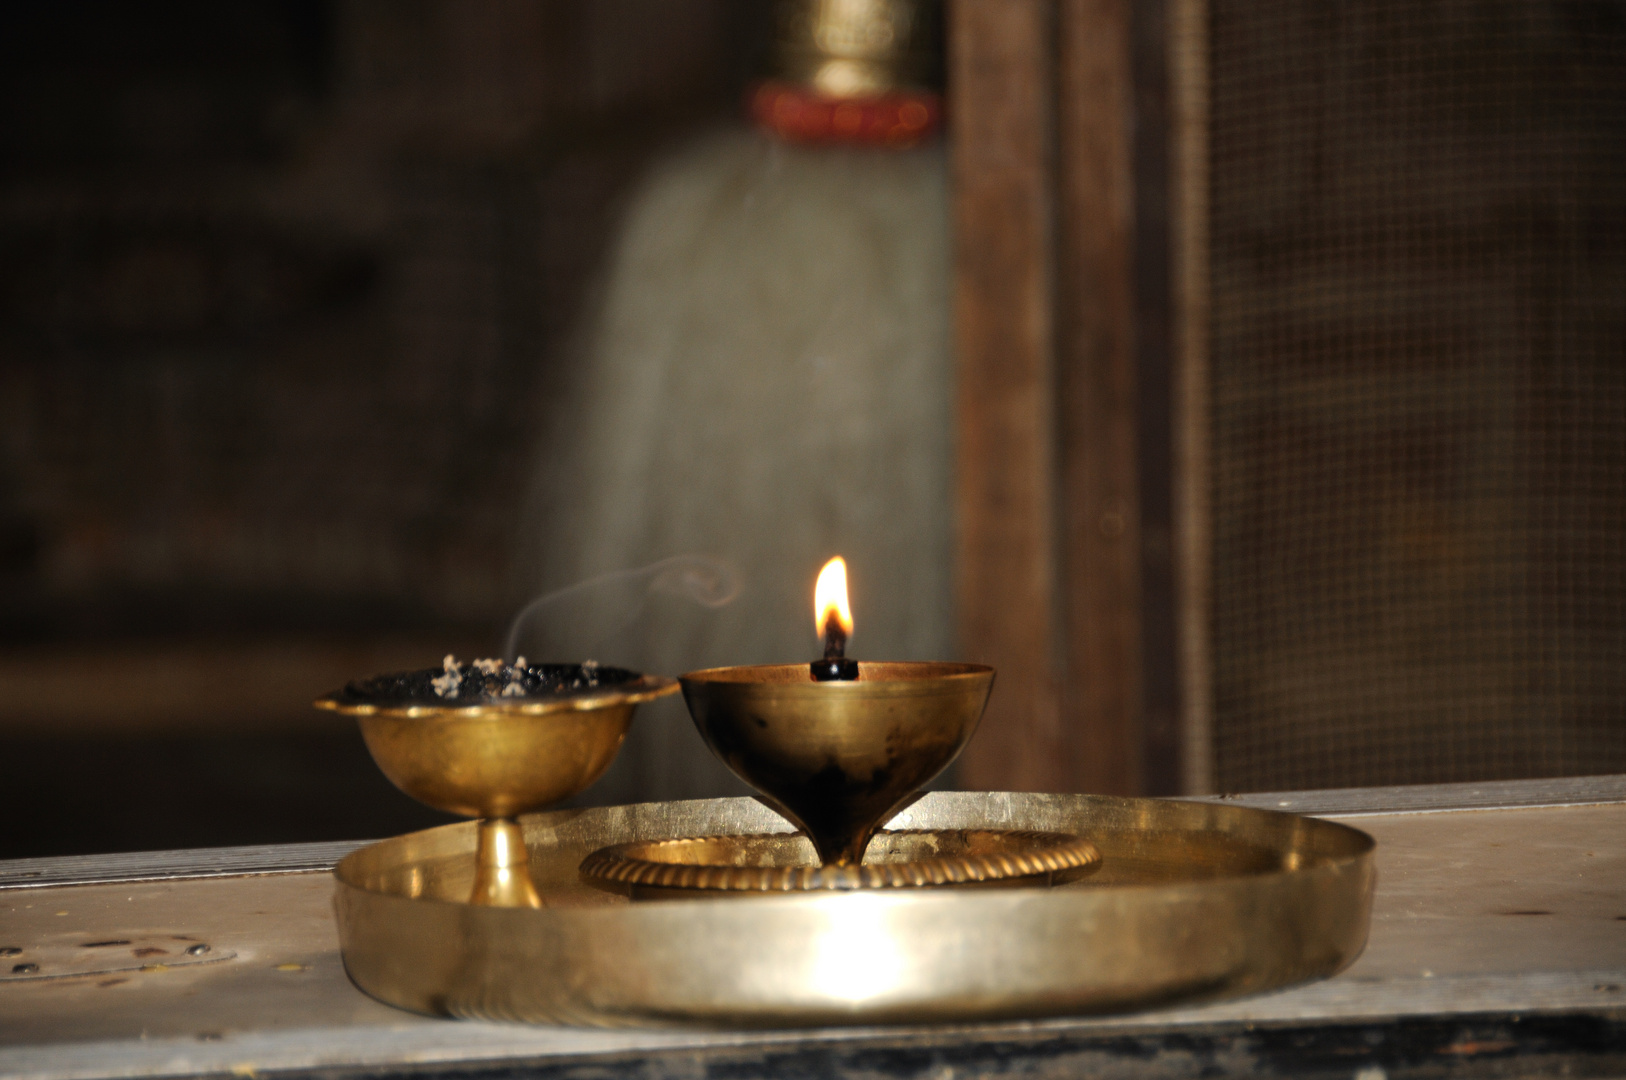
[(597, 618)]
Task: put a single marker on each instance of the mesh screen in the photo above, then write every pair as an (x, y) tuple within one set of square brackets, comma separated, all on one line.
[(1419, 390)]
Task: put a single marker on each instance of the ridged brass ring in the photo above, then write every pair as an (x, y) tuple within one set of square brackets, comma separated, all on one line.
[(778, 862)]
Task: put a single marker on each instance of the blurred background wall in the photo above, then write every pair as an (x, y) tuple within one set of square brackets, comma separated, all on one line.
[(1278, 348), (1418, 351), (286, 289), (1292, 361)]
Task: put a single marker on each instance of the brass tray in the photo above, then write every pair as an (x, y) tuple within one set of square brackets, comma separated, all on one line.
[(1192, 900)]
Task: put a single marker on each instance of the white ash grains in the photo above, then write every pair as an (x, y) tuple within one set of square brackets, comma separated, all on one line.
[(486, 680)]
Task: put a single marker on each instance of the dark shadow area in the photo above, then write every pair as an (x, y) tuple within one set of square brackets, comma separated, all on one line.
[(89, 794), (286, 295)]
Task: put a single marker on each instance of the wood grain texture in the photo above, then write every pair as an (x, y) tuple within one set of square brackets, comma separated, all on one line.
[(1188, 154), (1161, 690), (1051, 551), (1000, 86), (1096, 386)]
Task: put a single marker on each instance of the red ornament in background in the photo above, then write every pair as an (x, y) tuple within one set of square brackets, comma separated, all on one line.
[(802, 115)]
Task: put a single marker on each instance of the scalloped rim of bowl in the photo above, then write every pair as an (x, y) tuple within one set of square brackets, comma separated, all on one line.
[(644, 688)]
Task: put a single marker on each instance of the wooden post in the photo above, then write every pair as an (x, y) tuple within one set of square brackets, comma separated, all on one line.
[(1000, 83), (1050, 552), (1188, 145), (1095, 368)]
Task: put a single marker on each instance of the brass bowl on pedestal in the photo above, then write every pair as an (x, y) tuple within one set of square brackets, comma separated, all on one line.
[(493, 757)]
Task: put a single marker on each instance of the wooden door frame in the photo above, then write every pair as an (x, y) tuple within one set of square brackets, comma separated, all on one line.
[(1076, 163)]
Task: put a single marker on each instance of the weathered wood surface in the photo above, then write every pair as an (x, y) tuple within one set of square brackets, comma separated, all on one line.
[(1483, 915), (258, 860)]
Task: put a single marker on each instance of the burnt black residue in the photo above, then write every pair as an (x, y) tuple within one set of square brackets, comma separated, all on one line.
[(479, 687), (833, 802)]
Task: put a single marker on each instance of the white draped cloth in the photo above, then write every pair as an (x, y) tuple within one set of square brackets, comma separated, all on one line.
[(765, 379)]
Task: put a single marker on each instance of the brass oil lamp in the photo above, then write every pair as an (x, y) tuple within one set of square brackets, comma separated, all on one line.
[(838, 747)]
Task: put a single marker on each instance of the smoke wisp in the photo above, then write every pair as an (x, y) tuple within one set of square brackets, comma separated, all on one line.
[(580, 621)]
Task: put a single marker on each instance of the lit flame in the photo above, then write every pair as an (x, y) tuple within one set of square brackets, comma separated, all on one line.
[(830, 597)]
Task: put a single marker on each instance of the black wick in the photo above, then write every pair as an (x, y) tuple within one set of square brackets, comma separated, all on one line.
[(835, 666)]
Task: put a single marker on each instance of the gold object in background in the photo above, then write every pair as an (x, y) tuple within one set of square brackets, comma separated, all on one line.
[(857, 48), (500, 758), (838, 758), (1192, 900)]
